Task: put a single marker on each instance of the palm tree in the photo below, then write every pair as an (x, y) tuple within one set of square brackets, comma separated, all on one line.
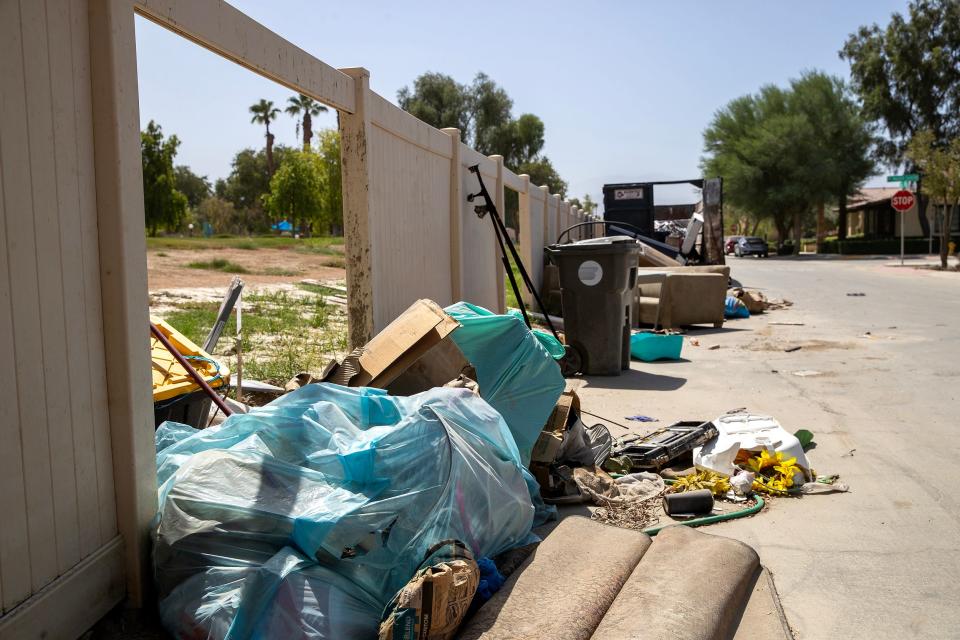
[(305, 107), (264, 113)]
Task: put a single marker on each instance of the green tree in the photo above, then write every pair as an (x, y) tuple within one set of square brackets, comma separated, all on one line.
[(784, 152), (765, 153), (303, 108), (844, 136), (248, 183), (264, 113), (195, 187), (296, 190), (163, 204), (219, 214), (328, 152), (438, 100), (940, 164), (907, 76), (482, 111), (541, 172)]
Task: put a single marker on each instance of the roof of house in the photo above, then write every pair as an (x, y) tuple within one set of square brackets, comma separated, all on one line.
[(869, 196)]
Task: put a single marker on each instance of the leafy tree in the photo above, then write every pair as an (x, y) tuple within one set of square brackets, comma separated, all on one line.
[(908, 77), (844, 136), (587, 205), (304, 108), (783, 152), (219, 214), (163, 204), (541, 172), (248, 183), (438, 100), (264, 113), (328, 152), (296, 190), (195, 187), (482, 111), (940, 164)]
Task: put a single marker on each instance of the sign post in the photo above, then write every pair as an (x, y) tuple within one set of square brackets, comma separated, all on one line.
[(902, 201)]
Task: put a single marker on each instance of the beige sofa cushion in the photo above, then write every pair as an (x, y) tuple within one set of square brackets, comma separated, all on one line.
[(563, 589)]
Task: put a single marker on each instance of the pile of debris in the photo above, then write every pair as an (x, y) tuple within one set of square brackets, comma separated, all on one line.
[(387, 495)]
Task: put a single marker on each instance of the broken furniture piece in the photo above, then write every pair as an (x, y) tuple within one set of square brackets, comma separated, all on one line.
[(670, 299)]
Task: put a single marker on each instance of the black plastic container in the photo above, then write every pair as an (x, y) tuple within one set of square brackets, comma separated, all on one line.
[(697, 503), (658, 449)]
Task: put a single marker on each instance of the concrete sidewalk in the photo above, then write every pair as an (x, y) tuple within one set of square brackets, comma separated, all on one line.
[(880, 392)]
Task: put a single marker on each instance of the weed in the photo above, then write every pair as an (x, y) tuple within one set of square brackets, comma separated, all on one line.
[(219, 264), (284, 332)]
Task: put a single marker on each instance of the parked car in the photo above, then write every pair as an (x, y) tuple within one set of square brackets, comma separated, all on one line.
[(751, 246), (729, 245)]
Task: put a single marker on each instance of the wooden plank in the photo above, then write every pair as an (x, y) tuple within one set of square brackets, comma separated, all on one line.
[(15, 584), (25, 303), (74, 602), (123, 279), (65, 126), (88, 240), (50, 267), (236, 36)]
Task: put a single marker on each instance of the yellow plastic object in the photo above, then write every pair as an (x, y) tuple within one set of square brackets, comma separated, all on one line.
[(170, 379)]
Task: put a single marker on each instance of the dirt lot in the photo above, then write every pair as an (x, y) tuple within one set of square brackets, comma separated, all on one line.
[(167, 268)]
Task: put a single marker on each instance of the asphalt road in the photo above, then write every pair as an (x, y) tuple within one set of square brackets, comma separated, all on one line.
[(882, 561)]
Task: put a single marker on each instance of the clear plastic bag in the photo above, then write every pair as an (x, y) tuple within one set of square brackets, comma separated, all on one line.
[(303, 518)]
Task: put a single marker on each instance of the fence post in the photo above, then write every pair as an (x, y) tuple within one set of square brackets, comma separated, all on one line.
[(456, 211), (527, 248), (123, 283), (500, 202), (355, 131), (547, 240)]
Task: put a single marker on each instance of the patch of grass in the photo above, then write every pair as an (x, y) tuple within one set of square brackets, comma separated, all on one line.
[(319, 244), (337, 263), (219, 264), (283, 333), (161, 254), (278, 271), (319, 289)]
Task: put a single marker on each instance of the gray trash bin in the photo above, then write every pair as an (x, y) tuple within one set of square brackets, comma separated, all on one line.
[(597, 279)]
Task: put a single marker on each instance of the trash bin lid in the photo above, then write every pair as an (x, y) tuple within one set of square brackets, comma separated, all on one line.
[(606, 243)]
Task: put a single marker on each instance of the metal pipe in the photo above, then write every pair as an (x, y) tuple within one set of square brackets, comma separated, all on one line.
[(227, 411)]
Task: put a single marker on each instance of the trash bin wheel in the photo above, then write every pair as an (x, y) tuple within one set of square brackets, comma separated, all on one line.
[(572, 362)]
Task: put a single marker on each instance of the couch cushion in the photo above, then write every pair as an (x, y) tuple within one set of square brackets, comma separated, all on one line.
[(689, 586), (564, 588)]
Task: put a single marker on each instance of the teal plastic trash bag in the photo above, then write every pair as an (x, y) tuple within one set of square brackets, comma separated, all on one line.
[(515, 372), (650, 347), (553, 346), (734, 308), (303, 518)]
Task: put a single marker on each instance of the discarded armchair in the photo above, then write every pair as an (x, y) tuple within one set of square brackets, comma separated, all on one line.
[(669, 298)]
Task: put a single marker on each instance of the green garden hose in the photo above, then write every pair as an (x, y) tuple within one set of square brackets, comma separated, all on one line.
[(720, 517), (705, 520)]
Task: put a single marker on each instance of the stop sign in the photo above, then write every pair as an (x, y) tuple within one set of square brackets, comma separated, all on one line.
[(902, 200)]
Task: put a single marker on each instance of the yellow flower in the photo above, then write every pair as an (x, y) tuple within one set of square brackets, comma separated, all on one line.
[(764, 460)]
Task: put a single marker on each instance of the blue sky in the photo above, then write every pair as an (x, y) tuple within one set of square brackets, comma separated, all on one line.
[(625, 89)]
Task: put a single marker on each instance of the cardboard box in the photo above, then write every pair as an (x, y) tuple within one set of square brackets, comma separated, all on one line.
[(412, 354), (548, 443)]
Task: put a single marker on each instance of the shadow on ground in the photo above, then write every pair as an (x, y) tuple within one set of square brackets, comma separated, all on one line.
[(633, 380)]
